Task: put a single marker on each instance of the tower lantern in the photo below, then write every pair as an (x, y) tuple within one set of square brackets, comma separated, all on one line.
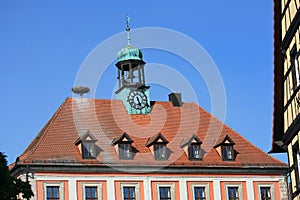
[(131, 78), (130, 63)]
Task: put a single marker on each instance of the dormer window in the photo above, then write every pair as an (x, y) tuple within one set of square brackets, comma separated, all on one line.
[(125, 151), (160, 151), (192, 148), (86, 145), (225, 148), (158, 147), (123, 145), (88, 150), (227, 152), (194, 152)]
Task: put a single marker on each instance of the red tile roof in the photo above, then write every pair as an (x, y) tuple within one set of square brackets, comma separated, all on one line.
[(108, 119)]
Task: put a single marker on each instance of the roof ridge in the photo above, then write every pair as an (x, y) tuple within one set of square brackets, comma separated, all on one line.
[(41, 133)]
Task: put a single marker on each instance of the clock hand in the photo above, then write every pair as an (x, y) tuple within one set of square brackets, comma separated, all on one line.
[(138, 100)]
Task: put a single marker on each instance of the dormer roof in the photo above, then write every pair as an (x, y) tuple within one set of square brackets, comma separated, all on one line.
[(189, 140), (224, 140), (86, 137), (122, 138), (158, 138)]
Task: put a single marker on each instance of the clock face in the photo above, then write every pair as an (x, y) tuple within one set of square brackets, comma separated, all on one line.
[(137, 99)]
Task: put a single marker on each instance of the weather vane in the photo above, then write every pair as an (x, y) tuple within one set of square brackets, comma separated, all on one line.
[(128, 29), (127, 22)]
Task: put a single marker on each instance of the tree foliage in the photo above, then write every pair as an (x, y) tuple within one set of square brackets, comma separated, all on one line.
[(11, 187)]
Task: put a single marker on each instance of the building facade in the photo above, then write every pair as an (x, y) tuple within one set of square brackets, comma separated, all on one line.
[(132, 148), (286, 124)]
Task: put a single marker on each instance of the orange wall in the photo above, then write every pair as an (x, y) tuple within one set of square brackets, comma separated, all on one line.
[(117, 185)]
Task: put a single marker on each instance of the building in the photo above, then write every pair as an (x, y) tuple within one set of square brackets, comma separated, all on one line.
[(134, 148), (286, 123)]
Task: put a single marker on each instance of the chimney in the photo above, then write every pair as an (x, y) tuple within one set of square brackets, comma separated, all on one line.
[(175, 98)]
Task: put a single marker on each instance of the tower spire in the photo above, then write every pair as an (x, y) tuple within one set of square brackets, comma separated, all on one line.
[(128, 29)]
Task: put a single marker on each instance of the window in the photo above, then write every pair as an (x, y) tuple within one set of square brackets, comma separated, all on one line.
[(295, 67), (194, 152), (166, 190), (233, 193), (125, 151), (265, 190), (191, 146), (88, 150), (198, 190), (296, 166), (91, 190), (199, 193), (164, 193), (265, 193), (225, 148), (129, 190), (227, 153), (158, 144), (52, 192), (87, 146), (129, 193), (160, 151), (124, 148), (91, 193)]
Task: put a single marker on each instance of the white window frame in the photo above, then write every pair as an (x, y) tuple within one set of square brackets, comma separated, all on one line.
[(93, 184), (205, 185), (136, 187), (270, 185), (170, 185), (238, 185), (61, 190)]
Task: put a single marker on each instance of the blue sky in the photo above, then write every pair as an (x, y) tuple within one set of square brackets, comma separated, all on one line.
[(43, 44)]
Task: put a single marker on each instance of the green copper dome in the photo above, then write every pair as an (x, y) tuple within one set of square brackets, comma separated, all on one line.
[(130, 52)]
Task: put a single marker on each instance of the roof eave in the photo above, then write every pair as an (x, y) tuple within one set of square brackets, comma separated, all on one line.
[(278, 82), (178, 169)]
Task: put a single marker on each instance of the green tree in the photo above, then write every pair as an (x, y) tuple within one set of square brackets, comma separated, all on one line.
[(10, 186)]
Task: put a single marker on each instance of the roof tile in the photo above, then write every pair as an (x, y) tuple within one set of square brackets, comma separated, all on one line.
[(108, 119)]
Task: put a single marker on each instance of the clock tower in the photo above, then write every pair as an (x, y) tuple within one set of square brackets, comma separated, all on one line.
[(131, 78)]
